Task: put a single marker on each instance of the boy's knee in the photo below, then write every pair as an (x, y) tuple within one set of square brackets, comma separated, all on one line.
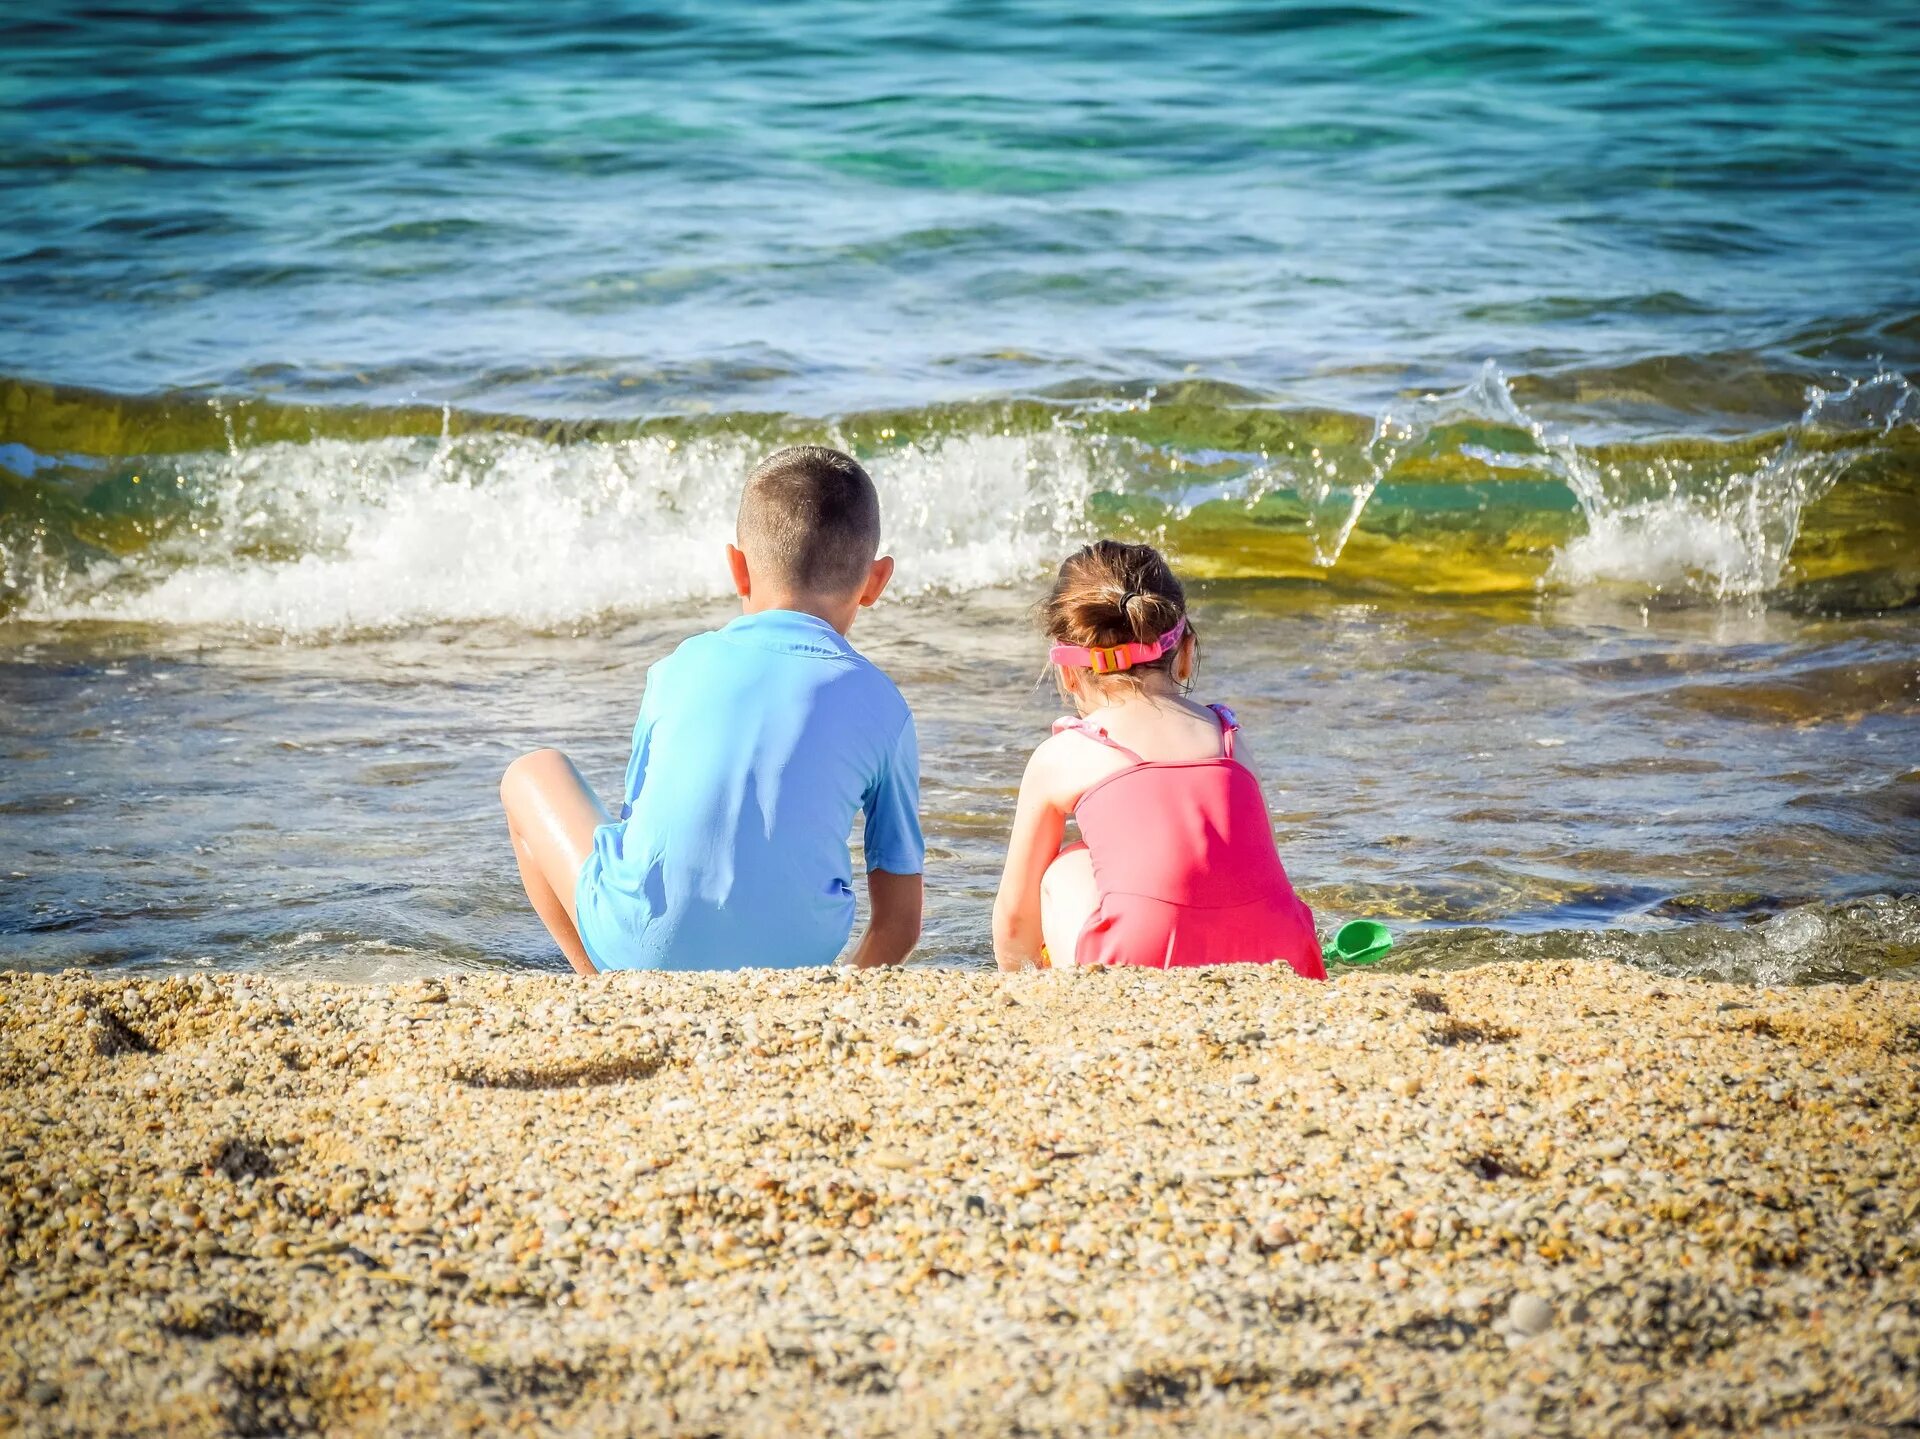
[(526, 771)]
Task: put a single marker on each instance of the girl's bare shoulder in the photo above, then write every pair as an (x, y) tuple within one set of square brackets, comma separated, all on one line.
[(1069, 761)]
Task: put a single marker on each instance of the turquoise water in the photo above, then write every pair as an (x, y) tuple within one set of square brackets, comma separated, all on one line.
[(1526, 391), (617, 209)]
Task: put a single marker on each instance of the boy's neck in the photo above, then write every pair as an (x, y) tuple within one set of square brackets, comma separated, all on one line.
[(839, 612)]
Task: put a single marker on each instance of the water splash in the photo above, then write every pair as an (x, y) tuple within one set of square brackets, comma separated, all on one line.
[(1682, 527), (1334, 484), (1331, 482), (1719, 527), (1403, 428), (335, 535)]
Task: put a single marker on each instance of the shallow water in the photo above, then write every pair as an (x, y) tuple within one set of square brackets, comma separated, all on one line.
[(1694, 791), (1526, 390)]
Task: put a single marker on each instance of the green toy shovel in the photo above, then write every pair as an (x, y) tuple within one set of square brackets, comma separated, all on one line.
[(1361, 941)]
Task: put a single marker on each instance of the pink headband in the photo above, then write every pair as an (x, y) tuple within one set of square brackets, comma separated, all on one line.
[(1111, 659)]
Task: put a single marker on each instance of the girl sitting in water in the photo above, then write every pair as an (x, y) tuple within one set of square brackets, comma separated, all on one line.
[(1176, 864)]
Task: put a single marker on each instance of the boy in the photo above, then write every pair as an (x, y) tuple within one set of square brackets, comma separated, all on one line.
[(755, 746)]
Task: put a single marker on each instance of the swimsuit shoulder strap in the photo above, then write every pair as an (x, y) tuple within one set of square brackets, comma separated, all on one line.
[(1094, 733), (1229, 726)]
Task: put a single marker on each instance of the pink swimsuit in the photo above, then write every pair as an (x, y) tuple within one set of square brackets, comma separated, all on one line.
[(1186, 867)]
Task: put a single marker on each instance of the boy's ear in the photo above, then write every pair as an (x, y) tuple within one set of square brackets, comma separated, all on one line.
[(878, 576), (742, 581)]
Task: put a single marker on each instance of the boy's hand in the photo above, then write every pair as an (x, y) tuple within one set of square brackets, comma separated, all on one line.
[(894, 902)]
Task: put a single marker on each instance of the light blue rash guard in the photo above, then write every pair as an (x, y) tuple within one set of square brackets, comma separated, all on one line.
[(756, 746)]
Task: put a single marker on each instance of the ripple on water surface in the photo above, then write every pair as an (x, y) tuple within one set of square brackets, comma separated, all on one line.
[(810, 207)]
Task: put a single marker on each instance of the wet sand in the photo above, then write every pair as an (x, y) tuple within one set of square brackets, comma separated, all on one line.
[(1559, 1197)]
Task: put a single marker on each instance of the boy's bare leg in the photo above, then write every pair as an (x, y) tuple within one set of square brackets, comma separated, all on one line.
[(1067, 899), (552, 813)]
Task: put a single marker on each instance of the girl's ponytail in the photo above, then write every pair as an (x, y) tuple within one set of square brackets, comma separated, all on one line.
[(1111, 593)]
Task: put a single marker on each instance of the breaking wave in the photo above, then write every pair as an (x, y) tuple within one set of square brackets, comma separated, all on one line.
[(299, 521), (376, 534)]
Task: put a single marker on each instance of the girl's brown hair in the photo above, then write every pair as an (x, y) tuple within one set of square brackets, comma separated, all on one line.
[(1112, 593)]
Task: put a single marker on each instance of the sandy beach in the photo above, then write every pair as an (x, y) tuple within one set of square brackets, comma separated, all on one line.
[(1548, 1198)]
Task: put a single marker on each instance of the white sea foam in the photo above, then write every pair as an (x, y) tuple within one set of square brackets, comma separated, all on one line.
[(1729, 536), (1669, 528), (335, 536), (1679, 543)]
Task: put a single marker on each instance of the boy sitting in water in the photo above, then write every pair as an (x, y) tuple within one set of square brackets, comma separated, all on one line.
[(755, 746)]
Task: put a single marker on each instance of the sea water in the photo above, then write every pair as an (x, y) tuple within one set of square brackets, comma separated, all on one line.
[(1525, 390)]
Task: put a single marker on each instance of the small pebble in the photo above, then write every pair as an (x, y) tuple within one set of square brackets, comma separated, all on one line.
[(1529, 1314)]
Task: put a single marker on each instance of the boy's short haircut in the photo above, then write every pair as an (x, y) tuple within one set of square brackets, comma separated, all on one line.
[(810, 518)]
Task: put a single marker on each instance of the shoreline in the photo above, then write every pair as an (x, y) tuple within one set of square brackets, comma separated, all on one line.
[(1543, 1198)]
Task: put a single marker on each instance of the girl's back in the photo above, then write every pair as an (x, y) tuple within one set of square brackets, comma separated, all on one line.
[(1177, 864), (1185, 870)]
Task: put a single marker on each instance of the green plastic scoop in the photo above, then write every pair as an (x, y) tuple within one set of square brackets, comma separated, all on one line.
[(1361, 941)]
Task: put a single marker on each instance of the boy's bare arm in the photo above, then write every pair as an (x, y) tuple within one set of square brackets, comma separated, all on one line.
[(893, 924)]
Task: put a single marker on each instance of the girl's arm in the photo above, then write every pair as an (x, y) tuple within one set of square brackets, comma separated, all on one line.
[(1039, 824)]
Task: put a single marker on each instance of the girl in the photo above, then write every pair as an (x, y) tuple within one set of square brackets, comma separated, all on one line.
[(1176, 864)]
